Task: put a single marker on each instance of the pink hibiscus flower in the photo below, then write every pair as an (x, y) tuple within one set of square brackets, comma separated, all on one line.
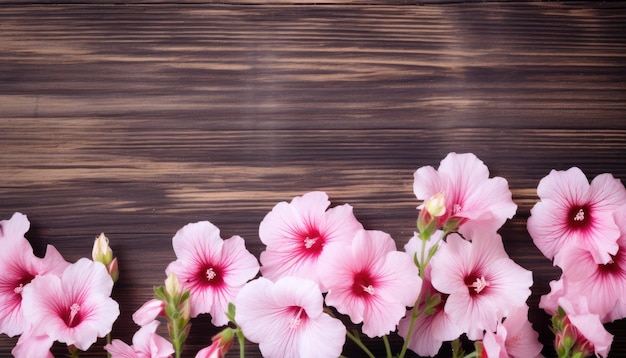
[(521, 340), (484, 285), (471, 197), (286, 319), (19, 266), (75, 308), (371, 281), (30, 345), (584, 328), (146, 344), (299, 233), (212, 269), (604, 285), (574, 212)]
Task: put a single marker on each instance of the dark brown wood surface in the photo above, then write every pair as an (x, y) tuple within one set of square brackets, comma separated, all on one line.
[(135, 119)]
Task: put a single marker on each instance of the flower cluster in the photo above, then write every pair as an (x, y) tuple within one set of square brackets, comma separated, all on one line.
[(581, 226), (321, 268)]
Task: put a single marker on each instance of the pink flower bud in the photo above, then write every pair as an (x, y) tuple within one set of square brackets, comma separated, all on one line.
[(148, 312), (221, 344)]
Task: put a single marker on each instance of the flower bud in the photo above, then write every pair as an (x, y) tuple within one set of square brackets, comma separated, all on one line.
[(114, 271), (173, 288), (101, 251), (436, 205), (221, 344)]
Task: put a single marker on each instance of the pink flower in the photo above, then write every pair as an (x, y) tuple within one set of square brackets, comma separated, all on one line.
[(585, 328), (148, 312), (514, 338), (484, 284), (521, 340), (286, 319), (371, 281), (299, 233), (30, 345), (75, 308), (220, 346), (19, 266), (604, 285), (494, 344), (146, 344), (574, 212), (550, 302), (470, 195), (212, 269)]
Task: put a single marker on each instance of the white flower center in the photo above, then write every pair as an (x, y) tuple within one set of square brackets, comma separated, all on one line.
[(580, 215), (308, 242), (294, 322), (369, 289), (479, 284), (19, 289), (210, 274), (74, 308), (456, 208)]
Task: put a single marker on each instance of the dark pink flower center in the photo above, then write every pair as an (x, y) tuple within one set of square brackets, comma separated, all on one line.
[(72, 315), (579, 217), (19, 286), (298, 316), (615, 266), (312, 242), (363, 284), (477, 284), (211, 275)]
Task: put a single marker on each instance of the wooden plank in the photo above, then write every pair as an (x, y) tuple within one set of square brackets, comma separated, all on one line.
[(135, 120)]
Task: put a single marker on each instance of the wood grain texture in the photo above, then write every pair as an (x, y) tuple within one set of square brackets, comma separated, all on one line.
[(137, 119)]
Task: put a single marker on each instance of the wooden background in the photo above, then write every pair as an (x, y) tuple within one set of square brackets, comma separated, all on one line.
[(136, 118)]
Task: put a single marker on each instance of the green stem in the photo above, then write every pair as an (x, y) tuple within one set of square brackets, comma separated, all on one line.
[(387, 346), (73, 352), (242, 342), (358, 342), (108, 338)]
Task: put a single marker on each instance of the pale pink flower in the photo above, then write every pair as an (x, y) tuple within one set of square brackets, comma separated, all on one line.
[(550, 301), (19, 266), (371, 281), (514, 338), (148, 312), (75, 308), (212, 269), (470, 195), (494, 344), (604, 285), (30, 345), (299, 233), (484, 285), (146, 344), (574, 212), (286, 319), (588, 330), (521, 340)]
